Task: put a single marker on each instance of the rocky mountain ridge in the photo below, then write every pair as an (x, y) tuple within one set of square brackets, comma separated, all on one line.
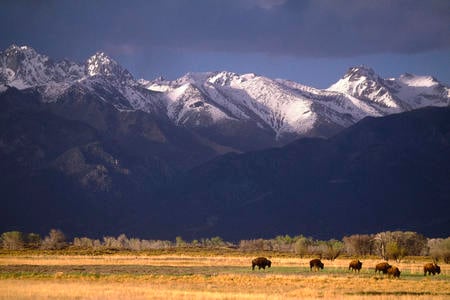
[(224, 107)]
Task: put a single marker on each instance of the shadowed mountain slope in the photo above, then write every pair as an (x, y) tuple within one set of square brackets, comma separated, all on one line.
[(380, 174)]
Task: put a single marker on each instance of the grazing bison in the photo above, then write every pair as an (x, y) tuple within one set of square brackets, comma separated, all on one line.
[(431, 268), (355, 265), (261, 262), (393, 271), (316, 263), (382, 267)]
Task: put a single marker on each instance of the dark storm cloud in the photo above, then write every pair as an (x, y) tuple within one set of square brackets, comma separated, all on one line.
[(315, 28)]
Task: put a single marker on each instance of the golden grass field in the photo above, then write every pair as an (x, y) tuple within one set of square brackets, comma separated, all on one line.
[(196, 276)]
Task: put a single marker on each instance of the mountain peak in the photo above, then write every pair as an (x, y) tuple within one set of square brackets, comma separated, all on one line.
[(102, 56), (101, 64), (23, 53), (22, 67), (222, 78), (355, 73), (24, 48)]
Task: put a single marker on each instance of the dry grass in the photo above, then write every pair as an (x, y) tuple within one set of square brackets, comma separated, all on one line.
[(212, 277)]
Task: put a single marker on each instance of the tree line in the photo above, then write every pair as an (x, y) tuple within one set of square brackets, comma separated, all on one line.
[(394, 245)]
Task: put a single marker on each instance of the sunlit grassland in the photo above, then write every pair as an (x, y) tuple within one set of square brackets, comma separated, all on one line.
[(185, 276)]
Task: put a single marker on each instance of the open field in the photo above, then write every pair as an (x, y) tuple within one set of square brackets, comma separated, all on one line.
[(208, 277)]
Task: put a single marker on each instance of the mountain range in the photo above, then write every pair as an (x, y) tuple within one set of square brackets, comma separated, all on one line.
[(88, 148), (237, 112)]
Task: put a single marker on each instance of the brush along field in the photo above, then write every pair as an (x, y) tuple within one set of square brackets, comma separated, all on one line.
[(196, 276)]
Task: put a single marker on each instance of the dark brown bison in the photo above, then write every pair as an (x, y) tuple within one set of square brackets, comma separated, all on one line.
[(393, 271), (431, 268), (316, 263), (261, 262), (382, 267), (355, 265)]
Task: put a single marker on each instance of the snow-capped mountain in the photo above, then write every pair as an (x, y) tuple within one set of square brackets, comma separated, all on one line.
[(288, 107), (392, 95), (104, 72), (224, 107), (22, 67), (285, 107)]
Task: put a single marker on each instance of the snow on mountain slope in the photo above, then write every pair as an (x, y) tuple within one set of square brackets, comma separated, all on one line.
[(275, 105), (289, 107), (279, 105), (22, 67), (341, 105), (203, 100), (100, 64), (419, 91), (363, 83), (223, 96), (189, 105), (392, 95)]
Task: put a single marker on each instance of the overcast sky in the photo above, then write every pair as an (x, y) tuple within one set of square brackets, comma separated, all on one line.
[(309, 41)]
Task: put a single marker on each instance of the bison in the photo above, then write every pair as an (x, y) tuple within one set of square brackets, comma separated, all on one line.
[(393, 271), (355, 265), (431, 268), (316, 263), (382, 267), (261, 262)]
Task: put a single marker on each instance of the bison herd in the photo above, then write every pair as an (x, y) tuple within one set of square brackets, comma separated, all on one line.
[(355, 265)]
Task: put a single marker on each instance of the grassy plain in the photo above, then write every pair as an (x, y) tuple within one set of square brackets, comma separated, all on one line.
[(197, 276)]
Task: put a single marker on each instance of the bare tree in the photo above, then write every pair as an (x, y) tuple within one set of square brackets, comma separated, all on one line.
[(380, 241), (440, 249), (12, 240), (55, 240), (359, 244), (397, 244)]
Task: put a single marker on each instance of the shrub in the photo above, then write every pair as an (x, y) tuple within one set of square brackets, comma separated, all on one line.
[(332, 249), (440, 249), (54, 241), (12, 240), (398, 244), (86, 243), (394, 251), (255, 245), (301, 246), (358, 244), (213, 242), (33, 240), (179, 242)]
